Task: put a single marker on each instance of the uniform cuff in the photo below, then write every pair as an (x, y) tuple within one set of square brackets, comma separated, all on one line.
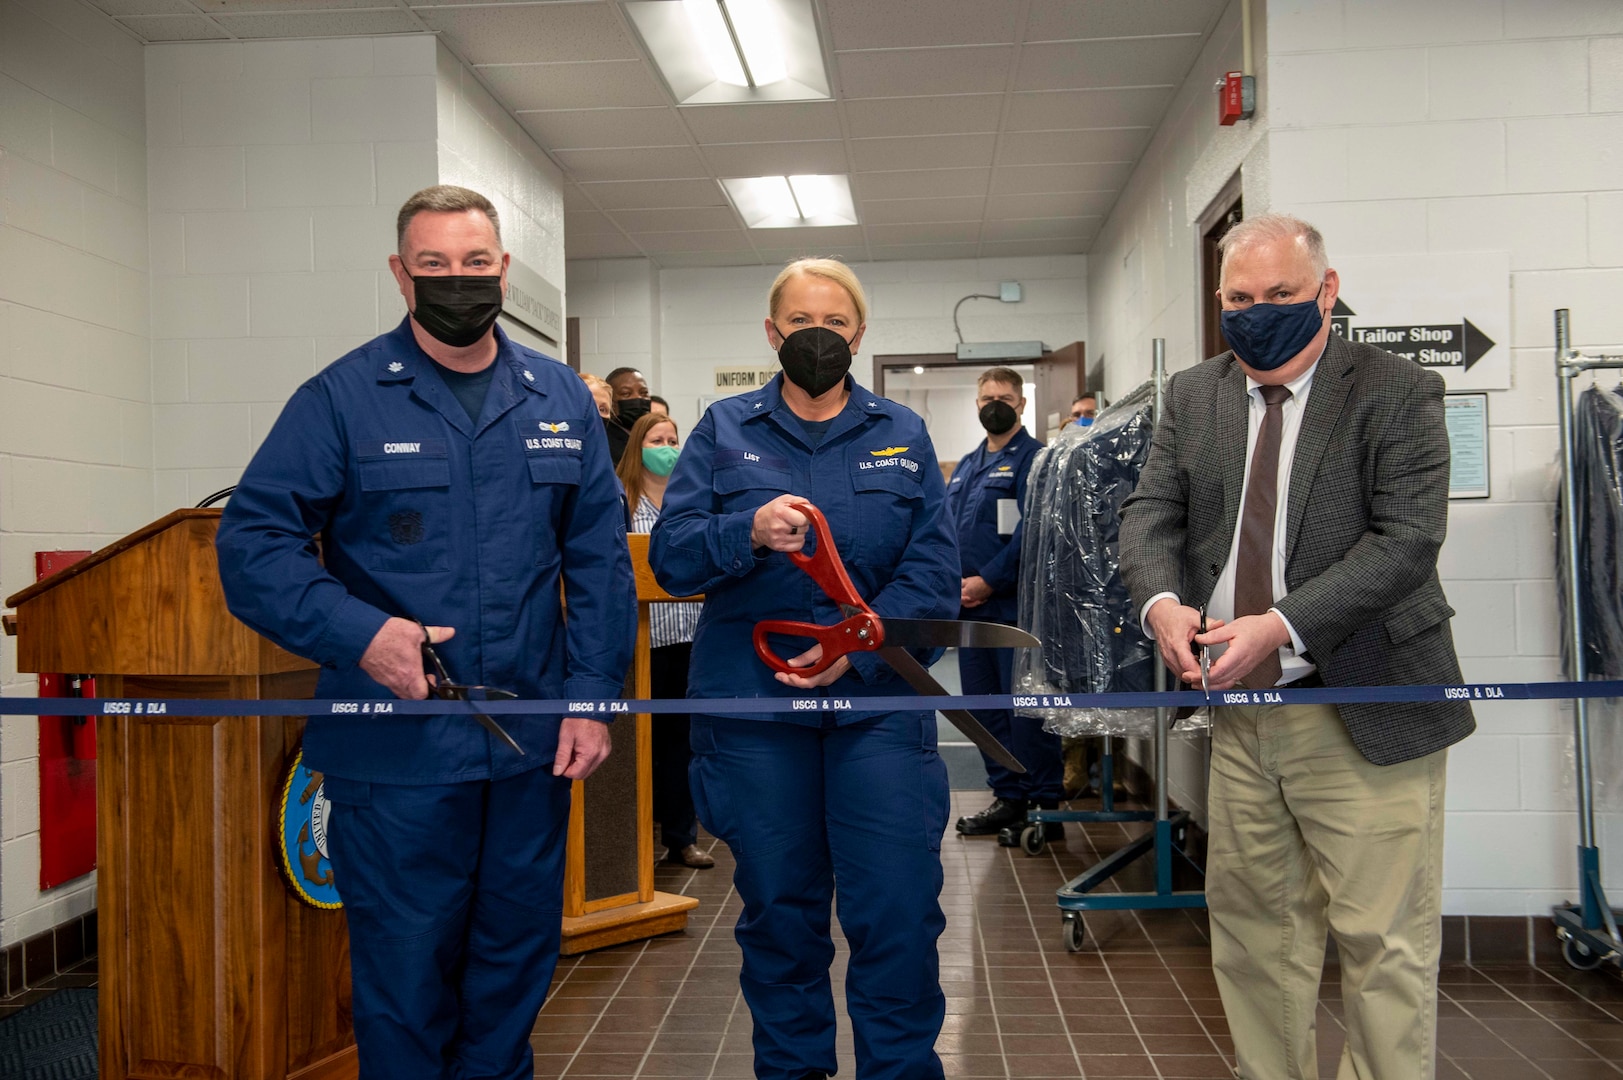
[(738, 551), (348, 633), (586, 688)]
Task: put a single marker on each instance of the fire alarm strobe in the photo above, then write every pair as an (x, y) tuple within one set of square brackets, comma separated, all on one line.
[(1237, 97)]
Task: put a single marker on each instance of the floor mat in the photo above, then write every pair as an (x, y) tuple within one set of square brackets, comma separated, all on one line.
[(54, 1039)]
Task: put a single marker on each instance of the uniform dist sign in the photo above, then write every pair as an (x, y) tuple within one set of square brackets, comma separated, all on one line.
[(1446, 312), (742, 378)]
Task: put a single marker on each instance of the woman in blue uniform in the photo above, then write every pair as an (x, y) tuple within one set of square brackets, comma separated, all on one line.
[(803, 799)]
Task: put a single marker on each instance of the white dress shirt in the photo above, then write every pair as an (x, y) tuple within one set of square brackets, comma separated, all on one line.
[(1292, 664)]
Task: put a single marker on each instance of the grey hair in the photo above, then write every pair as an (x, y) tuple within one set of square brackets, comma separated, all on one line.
[(444, 199), (1268, 228)]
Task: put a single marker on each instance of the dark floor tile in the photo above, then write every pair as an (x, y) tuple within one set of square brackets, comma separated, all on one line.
[(1117, 1067)]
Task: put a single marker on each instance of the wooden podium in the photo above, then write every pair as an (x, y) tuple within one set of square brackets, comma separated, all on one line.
[(209, 966)]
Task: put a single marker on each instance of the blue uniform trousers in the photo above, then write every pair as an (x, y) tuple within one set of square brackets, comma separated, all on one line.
[(454, 897), (801, 807), (991, 671)]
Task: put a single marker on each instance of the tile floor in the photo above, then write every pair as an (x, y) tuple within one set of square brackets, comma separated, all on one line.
[(1138, 1001)]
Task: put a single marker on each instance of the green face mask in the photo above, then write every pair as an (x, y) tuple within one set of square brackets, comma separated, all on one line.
[(660, 460)]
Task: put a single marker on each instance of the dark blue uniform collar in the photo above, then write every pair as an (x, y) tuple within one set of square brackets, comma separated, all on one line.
[(861, 407), (402, 360)]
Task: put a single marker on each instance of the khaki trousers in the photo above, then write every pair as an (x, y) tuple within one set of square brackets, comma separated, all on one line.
[(1307, 835)]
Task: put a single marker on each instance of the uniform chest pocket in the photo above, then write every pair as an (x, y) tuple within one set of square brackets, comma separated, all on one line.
[(554, 478), (886, 499), (749, 487), (408, 507)]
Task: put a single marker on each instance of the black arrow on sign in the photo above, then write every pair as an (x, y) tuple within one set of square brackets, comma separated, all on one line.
[(1476, 343)]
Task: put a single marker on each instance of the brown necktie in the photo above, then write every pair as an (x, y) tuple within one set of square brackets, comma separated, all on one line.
[(1254, 563)]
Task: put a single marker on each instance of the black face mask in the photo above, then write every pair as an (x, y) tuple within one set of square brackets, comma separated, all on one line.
[(629, 410), (998, 417), (457, 309), (814, 358)]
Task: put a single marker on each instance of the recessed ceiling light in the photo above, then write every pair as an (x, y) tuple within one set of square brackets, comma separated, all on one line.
[(918, 369), (785, 202), (720, 51)]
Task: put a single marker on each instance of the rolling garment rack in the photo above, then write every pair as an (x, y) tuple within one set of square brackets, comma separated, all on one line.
[(1588, 929), (1168, 835)]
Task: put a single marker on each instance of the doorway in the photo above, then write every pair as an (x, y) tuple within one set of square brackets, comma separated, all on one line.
[(1230, 213), (1051, 382)]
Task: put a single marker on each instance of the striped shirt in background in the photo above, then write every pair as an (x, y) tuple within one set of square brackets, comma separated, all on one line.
[(668, 624)]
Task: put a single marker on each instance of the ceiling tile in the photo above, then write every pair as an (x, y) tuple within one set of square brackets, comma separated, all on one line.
[(320, 24), (777, 159), (575, 199), (642, 163), (482, 3), (1041, 229), (145, 7), (674, 259), (587, 224), (533, 34), (913, 211), (159, 28), (846, 237), (729, 240), (923, 152), (1063, 246), (864, 24), (889, 117), (655, 194), (1064, 20), (1068, 204), (1116, 107), (598, 246), (593, 85), (1069, 147), (947, 232), (899, 252), (910, 72), (238, 7), (576, 129), (686, 219), (1021, 179), (920, 183), (772, 122), (1077, 65)]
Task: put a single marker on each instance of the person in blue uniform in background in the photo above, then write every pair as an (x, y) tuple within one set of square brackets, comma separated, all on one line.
[(454, 478), (985, 499), (805, 799)]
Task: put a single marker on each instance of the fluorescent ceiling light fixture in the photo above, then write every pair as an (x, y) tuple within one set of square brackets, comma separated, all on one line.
[(787, 202), (726, 51)]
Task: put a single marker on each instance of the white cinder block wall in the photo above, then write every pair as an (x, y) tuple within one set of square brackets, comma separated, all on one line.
[(75, 426), (276, 169), (1398, 128), (714, 316)]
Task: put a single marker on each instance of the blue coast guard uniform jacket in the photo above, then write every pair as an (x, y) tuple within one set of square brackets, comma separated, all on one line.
[(426, 515), (875, 478), (979, 481)]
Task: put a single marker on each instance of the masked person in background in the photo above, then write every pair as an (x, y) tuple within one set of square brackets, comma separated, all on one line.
[(670, 632), (805, 799), (457, 479), (984, 501), (1084, 407), (631, 403)]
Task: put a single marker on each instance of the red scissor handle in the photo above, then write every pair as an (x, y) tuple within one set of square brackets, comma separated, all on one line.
[(860, 632)]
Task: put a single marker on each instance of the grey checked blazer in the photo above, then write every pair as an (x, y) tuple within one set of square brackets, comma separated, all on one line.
[(1367, 511)]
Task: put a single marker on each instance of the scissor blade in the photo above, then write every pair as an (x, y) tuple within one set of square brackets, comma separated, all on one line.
[(497, 730), (956, 634), (921, 680)]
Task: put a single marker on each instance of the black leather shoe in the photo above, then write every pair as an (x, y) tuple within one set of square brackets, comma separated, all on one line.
[(1000, 815)]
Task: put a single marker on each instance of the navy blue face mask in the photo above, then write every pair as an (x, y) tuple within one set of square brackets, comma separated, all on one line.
[(1266, 336)]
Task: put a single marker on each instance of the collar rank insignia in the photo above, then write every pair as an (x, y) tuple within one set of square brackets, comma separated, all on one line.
[(560, 426), (302, 852), (397, 367), (889, 451), (527, 375)]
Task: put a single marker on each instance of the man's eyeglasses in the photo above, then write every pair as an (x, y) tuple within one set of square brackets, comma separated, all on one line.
[(441, 686)]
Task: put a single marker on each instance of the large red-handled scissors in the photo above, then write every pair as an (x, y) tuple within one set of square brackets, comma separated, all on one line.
[(862, 630)]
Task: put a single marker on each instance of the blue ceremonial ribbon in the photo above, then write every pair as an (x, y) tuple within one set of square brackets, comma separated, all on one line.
[(608, 708)]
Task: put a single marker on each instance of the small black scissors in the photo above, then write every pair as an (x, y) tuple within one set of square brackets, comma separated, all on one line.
[(1205, 660), (441, 686)]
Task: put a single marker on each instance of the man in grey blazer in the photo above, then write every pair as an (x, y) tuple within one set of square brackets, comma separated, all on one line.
[(1297, 494)]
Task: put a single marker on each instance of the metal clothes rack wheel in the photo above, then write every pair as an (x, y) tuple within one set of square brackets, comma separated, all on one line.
[(1588, 929), (1166, 839)]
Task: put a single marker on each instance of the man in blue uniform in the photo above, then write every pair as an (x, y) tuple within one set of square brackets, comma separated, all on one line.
[(455, 478), (985, 499)]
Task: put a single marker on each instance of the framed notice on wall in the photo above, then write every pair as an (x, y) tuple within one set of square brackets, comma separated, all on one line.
[(1466, 416)]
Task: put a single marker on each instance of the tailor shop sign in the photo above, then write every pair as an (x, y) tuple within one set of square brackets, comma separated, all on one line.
[(1447, 312), (742, 378)]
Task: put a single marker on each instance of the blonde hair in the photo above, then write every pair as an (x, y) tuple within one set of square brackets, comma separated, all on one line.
[(444, 199), (631, 469), (1270, 228), (830, 269), (592, 381)]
